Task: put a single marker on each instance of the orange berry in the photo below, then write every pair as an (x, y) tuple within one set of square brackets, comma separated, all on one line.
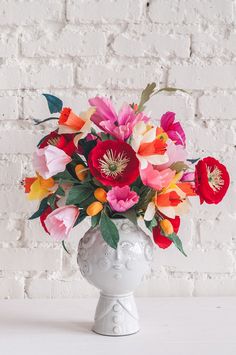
[(100, 194), (94, 208), (166, 226), (81, 172)]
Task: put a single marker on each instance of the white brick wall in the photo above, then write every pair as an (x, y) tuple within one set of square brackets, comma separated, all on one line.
[(78, 48)]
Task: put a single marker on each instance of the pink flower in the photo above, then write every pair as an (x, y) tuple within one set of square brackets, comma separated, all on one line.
[(175, 153), (188, 177), (119, 126), (50, 160), (174, 130), (156, 179), (122, 199), (60, 221)]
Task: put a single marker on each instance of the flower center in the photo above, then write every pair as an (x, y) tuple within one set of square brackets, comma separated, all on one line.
[(113, 164), (215, 178)]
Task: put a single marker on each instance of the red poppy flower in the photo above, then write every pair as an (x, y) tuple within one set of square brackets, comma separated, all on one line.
[(61, 141), (162, 241), (113, 163), (211, 180)]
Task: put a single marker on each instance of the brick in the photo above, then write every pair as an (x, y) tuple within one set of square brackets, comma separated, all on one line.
[(42, 288), (68, 42), (216, 261), (9, 108), (10, 77), (10, 172), (15, 201), (25, 259), (204, 45), (25, 141), (215, 287), (225, 227), (119, 76), (199, 78), (165, 287), (11, 288), (217, 106), (152, 44), (30, 12), (191, 11), (10, 230), (8, 45), (103, 11)]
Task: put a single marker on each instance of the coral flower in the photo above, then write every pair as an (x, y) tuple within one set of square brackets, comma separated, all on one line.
[(118, 125), (211, 180), (60, 221), (37, 188), (113, 163), (173, 129), (122, 199), (50, 160), (156, 179), (159, 238), (148, 148)]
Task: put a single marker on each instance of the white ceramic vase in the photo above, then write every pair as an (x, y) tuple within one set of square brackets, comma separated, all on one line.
[(116, 273)]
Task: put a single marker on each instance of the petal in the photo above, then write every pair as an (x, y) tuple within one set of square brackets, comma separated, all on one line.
[(150, 211)]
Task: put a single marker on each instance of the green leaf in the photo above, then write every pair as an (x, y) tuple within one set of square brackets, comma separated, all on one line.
[(64, 247), (151, 224), (42, 206), (130, 215), (80, 218), (179, 166), (52, 198), (109, 231), (65, 176), (145, 96), (177, 242), (193, 161), (95, 220), (78, 194), (54, 103), (87, 146), (170, 89)]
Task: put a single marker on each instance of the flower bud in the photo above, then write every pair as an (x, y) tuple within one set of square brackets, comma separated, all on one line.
[(100, 194), (81, 172), (94, 208), (166, 226)]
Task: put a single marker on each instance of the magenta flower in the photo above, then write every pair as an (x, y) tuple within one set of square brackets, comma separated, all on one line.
[(50, 160), (119, 126), (173, 129), (122, 199), (156, 179), (60, 221)]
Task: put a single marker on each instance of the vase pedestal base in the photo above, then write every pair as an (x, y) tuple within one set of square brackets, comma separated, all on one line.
[(116, 315)]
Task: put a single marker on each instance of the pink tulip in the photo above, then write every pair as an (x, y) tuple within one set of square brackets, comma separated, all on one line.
[(174, 130), (121, 125), (60, 221), (156, 179), (50, 161), (122, 199)]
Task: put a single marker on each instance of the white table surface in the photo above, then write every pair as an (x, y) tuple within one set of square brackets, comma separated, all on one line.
[(191, 326)]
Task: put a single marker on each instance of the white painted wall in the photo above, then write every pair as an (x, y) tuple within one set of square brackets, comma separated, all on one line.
[(78, 48)]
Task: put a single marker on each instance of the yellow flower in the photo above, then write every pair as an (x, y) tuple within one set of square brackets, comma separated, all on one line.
[(94, 208), (100, 194), (166, 226), (40, 188), (81, 172)]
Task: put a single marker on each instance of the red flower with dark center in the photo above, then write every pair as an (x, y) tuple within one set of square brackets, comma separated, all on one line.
[(162, 241), (113, 163), (211, 180), (61, 141)]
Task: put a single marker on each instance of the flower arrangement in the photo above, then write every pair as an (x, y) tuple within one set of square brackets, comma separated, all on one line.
[(105, 165)]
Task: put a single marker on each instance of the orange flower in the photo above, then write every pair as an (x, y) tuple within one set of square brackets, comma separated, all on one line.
[(81, 172), (100, 194), (28, 182), (166, 226), (94, 208), (37, 187), (187, 188), (70, 119), (158, 146), (168, 199)]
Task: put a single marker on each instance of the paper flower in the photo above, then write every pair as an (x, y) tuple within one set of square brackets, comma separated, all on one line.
[(60, 221), (113, 163), (212, 180), (158, 236), (173, 129), (50, 161), (37, 187), (61, 141), (122, 199), (156, 179)]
